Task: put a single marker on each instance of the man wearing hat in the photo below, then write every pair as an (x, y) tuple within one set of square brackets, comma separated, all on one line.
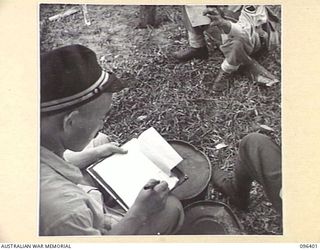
[(76, 95), (251, 29)]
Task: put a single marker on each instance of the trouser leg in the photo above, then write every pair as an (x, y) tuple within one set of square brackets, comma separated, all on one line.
[(260, 160), (195, 34), (168, 221), (196, 38), (236, 52)]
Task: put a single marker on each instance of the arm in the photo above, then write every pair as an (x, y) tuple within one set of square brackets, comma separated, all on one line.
[(148, 203), (217, 19), (90, 155), (225, 25), (98, 148)]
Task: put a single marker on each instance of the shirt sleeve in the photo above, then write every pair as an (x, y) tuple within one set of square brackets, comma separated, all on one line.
[(79, 223), (236, 30)]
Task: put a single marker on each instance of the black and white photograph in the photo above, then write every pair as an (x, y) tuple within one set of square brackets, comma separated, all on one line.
[(160, 120)]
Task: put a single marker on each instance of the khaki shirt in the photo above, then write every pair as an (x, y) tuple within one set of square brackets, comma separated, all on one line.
[(66, 206), (249, 25)]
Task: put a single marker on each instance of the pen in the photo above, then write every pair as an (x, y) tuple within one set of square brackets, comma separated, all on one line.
[(151, 185)]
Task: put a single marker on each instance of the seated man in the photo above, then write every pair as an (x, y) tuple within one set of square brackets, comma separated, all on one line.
[(259, 159), (253, 30), (76, 95)]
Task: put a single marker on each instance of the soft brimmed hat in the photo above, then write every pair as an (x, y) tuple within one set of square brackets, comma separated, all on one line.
[(71, 76)]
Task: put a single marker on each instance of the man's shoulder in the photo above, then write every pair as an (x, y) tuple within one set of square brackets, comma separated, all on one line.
[(53, 167), (66, 209), (54, 186), (67, 221), (59, 198)]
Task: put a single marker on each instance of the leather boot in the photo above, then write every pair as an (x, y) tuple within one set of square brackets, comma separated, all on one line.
[(235, 187), (191, 53), (221, 82)]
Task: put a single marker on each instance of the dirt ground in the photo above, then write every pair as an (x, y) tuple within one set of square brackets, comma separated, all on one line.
[(172, 97)]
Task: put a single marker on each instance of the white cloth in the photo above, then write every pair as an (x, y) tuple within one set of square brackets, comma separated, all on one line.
[(249, 25)]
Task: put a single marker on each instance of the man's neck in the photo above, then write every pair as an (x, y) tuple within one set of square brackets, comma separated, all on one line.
[(52, 145)]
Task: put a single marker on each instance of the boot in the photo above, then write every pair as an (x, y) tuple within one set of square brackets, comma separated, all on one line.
[(221, 82), (191, 53), (237, 190)]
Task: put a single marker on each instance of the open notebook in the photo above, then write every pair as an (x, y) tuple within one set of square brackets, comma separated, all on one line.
[(123, 176)]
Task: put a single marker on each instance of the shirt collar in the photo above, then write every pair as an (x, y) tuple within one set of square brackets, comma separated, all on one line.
[(59, 165)]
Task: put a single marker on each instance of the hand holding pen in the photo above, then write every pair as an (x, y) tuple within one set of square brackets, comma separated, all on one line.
[(151, 184), (151, 199)]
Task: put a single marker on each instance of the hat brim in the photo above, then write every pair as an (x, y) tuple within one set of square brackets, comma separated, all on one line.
[(107, 82)]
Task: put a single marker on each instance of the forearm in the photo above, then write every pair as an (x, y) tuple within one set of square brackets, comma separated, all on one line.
[(92, 154), (225, 25), (84, 158), (129, 225)]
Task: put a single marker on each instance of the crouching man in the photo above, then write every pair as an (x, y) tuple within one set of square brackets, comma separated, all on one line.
[(76, 95), (252, 29)]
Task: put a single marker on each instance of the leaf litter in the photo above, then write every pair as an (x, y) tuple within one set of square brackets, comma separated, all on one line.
[(173, 97)]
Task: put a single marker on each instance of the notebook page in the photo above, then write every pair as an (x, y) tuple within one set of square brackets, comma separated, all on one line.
[(128, 173), (158, 150), (195, 14)]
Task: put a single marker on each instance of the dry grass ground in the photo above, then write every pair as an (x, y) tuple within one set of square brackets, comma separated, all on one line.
[(172, 97)]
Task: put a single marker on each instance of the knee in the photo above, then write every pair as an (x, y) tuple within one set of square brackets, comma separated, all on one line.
[(236, 44), (253, 140), (168, 221), (232, 47), (173, 207), (174, 212)]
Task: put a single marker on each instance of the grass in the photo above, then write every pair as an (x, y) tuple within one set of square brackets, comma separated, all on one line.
[(173, 97)]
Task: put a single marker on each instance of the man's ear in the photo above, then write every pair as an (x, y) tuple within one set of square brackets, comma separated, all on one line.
[(70, 119)]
